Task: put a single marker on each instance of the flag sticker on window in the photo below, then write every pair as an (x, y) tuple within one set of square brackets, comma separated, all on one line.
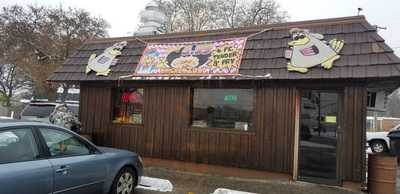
[(230, 98), (330, 119)]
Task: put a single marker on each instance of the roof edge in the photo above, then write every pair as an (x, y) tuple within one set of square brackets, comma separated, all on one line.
[(249, 29)]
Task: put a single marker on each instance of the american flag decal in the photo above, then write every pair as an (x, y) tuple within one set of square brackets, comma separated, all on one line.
[(103, 59), (310, 51)]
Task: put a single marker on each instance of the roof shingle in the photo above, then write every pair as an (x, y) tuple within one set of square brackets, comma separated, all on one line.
[(365, 54)]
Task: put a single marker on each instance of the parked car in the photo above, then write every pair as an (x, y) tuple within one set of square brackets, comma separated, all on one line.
[(43, 158), (379, 142), (55, 113)]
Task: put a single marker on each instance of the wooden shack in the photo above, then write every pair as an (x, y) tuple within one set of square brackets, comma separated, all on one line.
[(307, 125)]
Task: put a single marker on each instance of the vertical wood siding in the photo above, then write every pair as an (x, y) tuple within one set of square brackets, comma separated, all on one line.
[(354, 121), (275, 124), (95, 112), (166, 131)]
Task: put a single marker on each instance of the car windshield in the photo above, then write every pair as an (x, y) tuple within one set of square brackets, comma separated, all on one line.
[(38, 110)]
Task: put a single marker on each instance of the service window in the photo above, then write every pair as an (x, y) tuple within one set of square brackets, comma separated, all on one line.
[(223, 108), (128, 106)]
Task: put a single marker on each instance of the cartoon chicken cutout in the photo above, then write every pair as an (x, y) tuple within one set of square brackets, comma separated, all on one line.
[(309, 49), (101, 64)]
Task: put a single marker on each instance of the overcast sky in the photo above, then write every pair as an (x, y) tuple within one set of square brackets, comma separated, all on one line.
[(123, 14)]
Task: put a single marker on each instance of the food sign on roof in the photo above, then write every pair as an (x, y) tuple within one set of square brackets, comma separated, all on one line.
[(219, 57), (310, 49)]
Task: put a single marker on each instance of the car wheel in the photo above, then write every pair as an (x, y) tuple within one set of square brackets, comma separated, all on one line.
[(378, 146), (125, 182)]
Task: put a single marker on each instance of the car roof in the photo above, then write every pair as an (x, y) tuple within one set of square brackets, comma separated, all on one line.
[(15, 123), (5, 123), (45, 103)]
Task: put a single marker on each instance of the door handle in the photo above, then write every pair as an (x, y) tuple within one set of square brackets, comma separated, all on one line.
[(63, 170)]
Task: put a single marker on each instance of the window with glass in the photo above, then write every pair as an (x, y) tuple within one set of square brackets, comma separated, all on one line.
[(371, 99), (128, 106), (17, 145), (223, 108), (63, 144)]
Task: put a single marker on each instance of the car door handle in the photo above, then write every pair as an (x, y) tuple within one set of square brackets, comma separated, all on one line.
[(63, 170)]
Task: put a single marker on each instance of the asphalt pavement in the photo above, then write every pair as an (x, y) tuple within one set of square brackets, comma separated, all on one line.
[(193, 183)]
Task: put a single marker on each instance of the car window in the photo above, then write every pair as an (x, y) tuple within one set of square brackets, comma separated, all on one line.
[(17, 145), (63, 144), (38, 110)]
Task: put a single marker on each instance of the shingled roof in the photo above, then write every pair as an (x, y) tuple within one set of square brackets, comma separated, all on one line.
[(365, 54)]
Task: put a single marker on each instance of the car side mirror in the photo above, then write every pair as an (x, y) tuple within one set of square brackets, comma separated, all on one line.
[(93, 150)]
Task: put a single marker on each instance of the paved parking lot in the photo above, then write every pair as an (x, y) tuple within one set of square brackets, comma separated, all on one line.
[(185, 182)]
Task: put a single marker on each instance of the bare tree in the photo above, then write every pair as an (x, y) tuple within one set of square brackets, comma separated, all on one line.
[(263, 12), (13, 81), (188, 15), (230, 13), (38, 39)]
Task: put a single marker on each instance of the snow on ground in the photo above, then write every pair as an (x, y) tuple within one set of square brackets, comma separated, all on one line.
[(155, 184), (228, 191), (163, 185)]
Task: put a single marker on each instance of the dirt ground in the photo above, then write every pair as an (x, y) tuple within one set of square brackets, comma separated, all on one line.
[(185, 182)]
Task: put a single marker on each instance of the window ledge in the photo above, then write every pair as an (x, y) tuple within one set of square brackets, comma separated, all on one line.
[(222, 130), (130, 124)]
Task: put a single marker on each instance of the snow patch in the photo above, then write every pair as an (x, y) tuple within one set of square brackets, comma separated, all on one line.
[(155, 184), (228, 191)]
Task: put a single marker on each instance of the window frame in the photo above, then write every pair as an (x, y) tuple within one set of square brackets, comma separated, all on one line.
[(251, 130), (41, 154), (46, 150), (114, 92)]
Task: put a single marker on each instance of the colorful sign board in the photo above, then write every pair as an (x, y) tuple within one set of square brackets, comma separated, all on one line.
[(310, 49), (219, 57)]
